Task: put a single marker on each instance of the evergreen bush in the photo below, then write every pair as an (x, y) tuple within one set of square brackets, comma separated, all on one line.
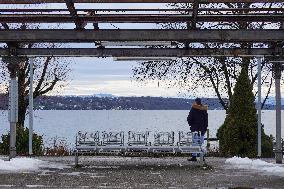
[(238, 134), (22, 142)]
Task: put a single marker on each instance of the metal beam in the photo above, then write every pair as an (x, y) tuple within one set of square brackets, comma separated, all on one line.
[(135, 1), (64, 36), (139, 52), (260, 9), (96, 18), (136, 18)]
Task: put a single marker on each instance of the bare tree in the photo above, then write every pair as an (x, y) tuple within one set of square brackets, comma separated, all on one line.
[(50, 73), (219, 74)]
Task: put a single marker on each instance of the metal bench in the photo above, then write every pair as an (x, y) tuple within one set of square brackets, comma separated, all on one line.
[(274, 145), (164, 142), (112, 142), (190, 143), (86, 142), (137, 142)]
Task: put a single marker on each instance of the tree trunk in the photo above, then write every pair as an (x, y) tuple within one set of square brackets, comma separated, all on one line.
[(22, 101)]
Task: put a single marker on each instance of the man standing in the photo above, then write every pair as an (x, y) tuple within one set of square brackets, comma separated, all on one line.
[(198, 121)]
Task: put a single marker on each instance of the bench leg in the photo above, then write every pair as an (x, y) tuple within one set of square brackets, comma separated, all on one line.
[(76, 159), (202, 160)]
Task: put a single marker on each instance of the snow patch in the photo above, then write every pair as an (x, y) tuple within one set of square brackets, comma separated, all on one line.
[(27, 164), (71, 174), (20, 164), (36, 186), (6, 185), (256, 165), (104, 167), (155, 173), (45, 173)]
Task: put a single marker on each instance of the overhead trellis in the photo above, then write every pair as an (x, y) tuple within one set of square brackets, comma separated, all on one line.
[(272, 38)]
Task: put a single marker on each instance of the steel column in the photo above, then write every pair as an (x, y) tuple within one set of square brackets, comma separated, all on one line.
[(259, 59), (13, 63), (277, 75), (31, 104), (13, 115)]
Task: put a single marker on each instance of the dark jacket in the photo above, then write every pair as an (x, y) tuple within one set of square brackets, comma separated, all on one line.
[(198, 118)]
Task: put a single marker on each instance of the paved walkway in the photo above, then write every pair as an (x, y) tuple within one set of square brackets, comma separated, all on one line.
[(119, 172)]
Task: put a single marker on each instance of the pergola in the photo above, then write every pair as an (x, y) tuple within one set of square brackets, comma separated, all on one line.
[(201, 11)]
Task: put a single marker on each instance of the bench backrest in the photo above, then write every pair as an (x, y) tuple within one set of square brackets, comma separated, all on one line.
[(185, 138), (138, 138), (87, 138), (164, 139), (113, 138)]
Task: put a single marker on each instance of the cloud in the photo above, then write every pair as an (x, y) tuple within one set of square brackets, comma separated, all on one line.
[(118, 87)]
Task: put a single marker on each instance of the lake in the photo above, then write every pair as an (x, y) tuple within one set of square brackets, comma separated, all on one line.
[(66, 123)]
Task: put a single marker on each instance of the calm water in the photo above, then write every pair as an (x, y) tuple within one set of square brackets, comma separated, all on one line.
[(62, 123)]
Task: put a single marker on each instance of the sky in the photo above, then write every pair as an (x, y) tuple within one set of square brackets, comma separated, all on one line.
[(97, 75)]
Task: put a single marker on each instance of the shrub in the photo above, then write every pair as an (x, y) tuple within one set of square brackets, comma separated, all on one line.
[(22, 142), (238, 134), (57, 147)]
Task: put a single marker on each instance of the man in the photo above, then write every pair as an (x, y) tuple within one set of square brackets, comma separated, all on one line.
[(198, 121)]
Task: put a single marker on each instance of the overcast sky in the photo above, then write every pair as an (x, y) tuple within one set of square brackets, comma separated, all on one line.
[(98, 75)]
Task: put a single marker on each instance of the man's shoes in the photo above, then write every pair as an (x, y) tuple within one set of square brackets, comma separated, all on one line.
[(193, 158)]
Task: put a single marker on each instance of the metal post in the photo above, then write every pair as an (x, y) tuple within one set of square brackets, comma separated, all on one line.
[(208, 140), (31, 104), (13, 103), (259, 107), (13, 115), (277, 74)]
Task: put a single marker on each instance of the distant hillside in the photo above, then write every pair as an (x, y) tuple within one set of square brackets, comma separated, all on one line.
[(118, 103), (109, 102), (113, 103)]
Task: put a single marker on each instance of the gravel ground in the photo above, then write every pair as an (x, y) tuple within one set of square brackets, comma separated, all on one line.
[(126, 172)]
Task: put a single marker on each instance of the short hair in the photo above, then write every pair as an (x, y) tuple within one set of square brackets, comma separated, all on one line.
[(198, 101)]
